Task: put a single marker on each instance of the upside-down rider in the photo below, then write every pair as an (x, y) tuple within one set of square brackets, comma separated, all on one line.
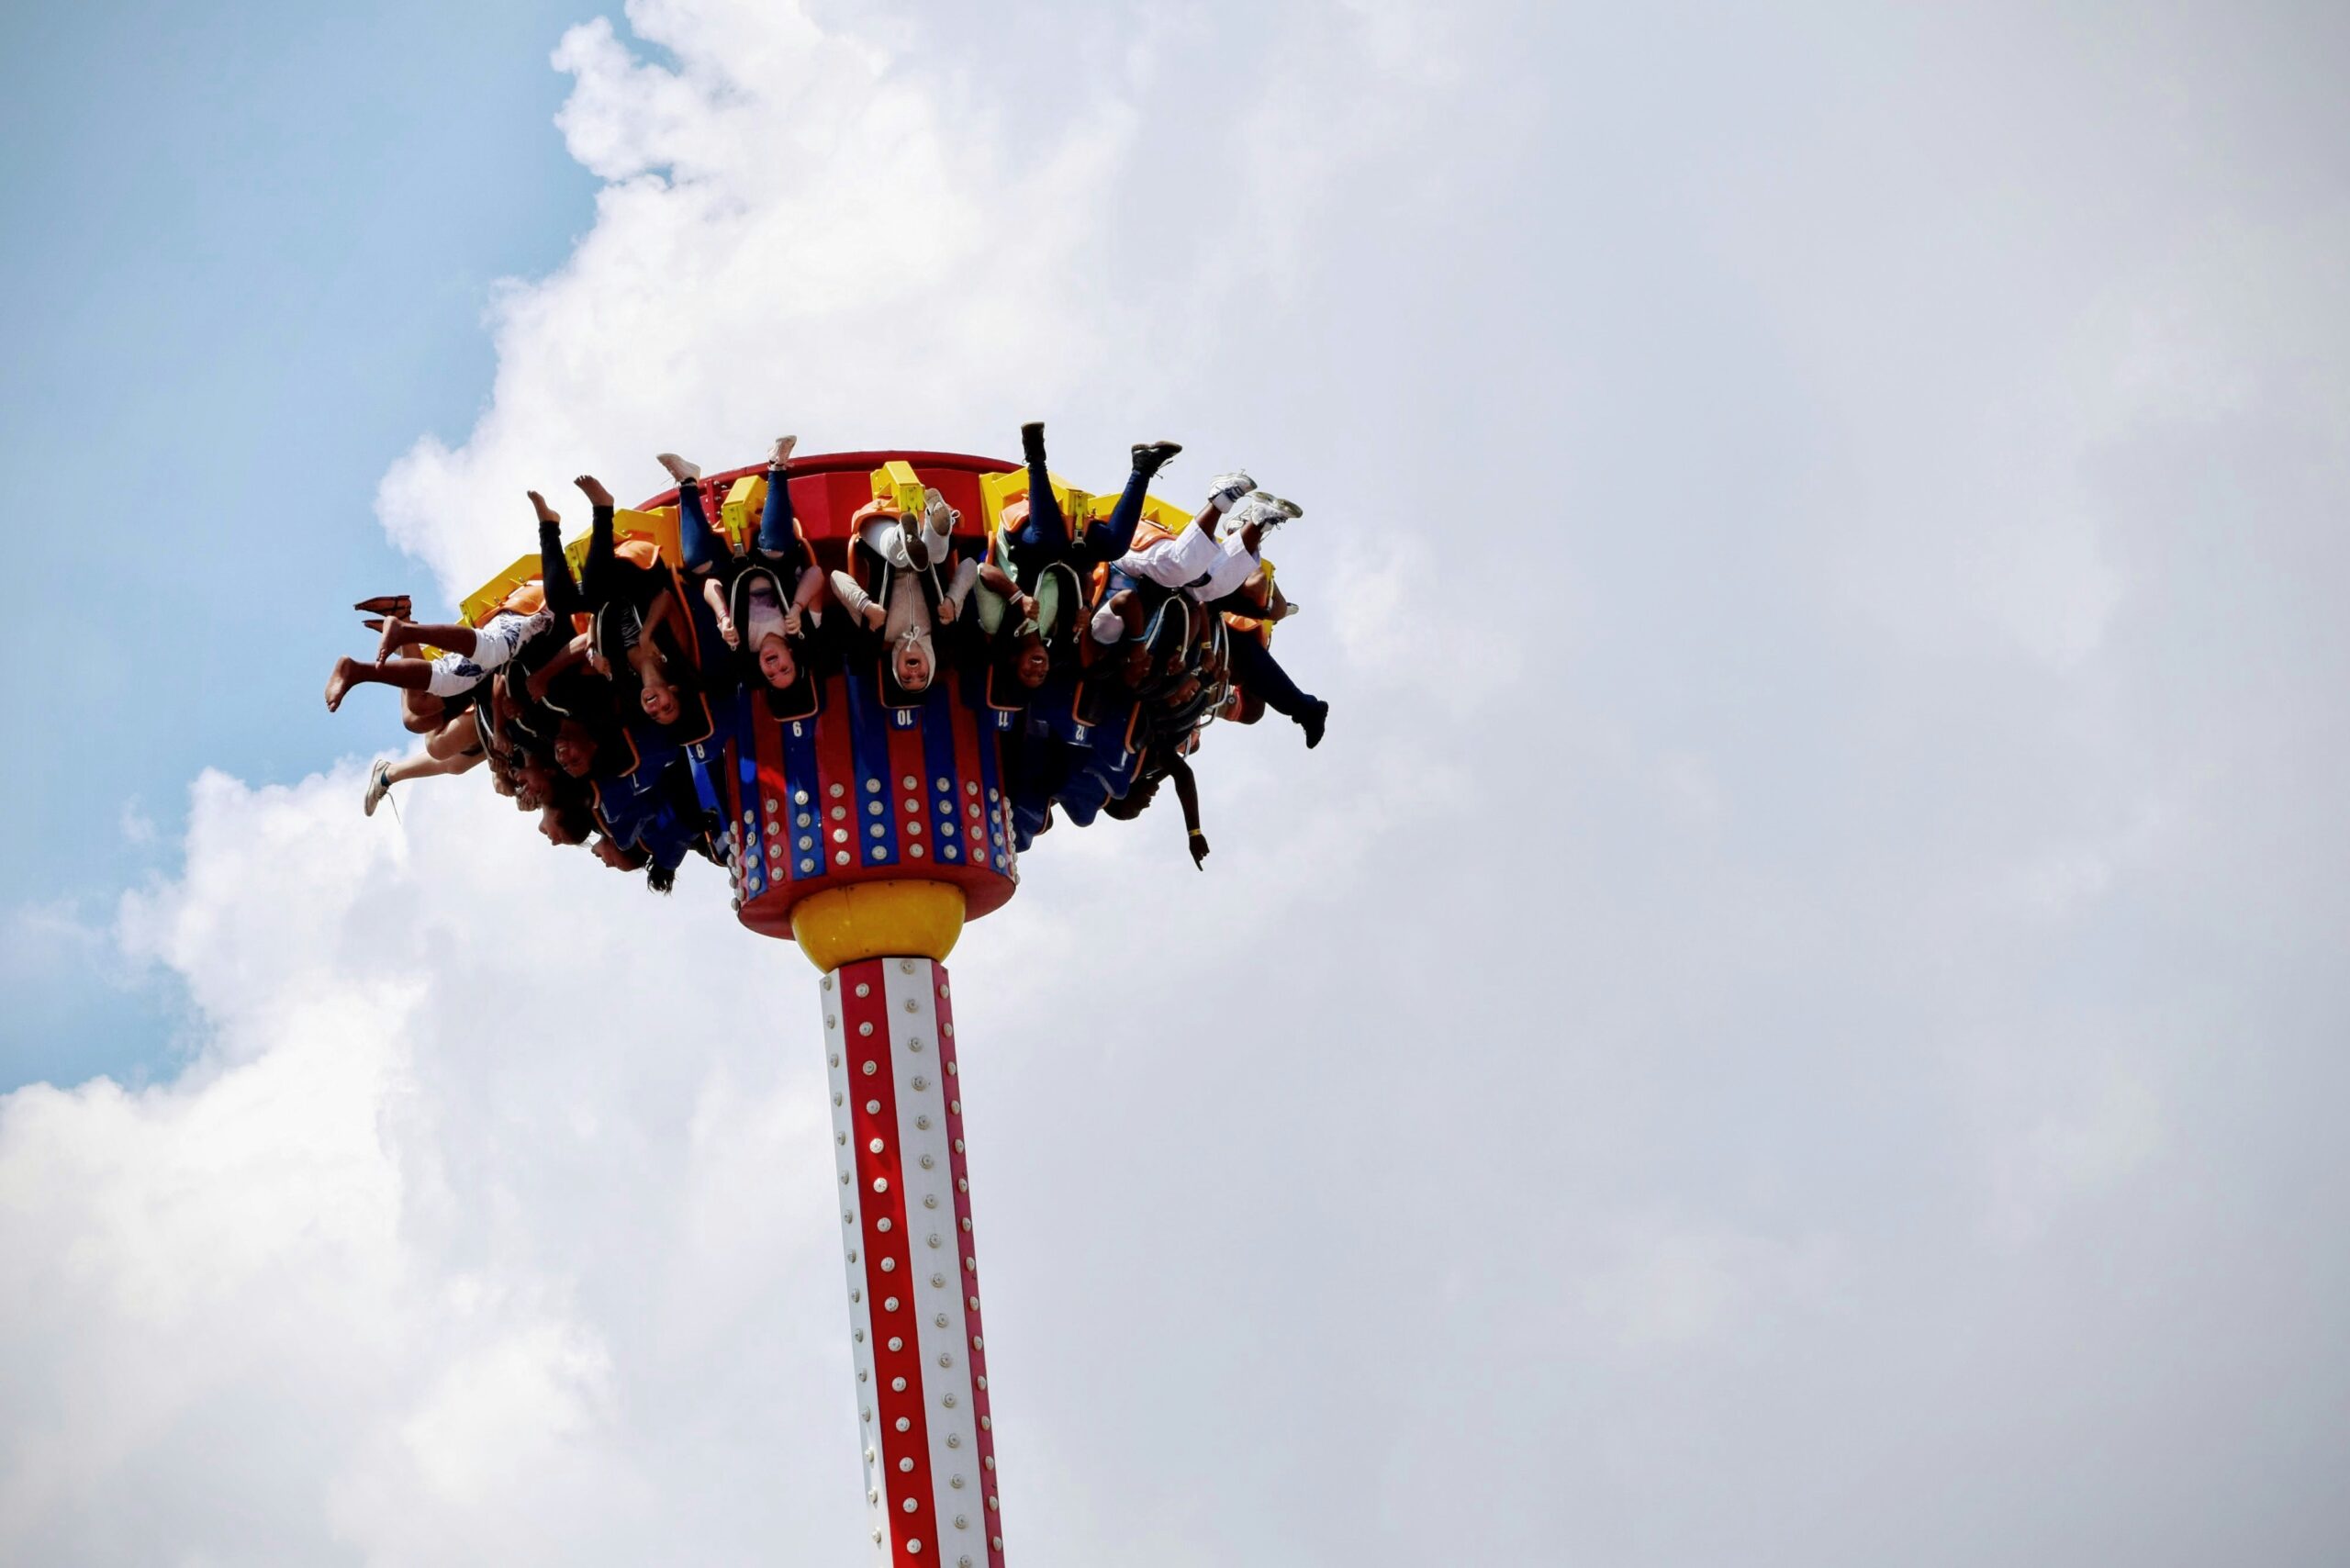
[(1213, 564)]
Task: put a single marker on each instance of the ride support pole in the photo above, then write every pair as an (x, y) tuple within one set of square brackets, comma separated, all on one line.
[(917, 1335)]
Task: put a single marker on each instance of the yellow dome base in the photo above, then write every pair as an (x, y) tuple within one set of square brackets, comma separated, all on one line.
[(878, 919)]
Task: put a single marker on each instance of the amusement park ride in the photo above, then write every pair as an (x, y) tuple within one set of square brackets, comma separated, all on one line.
[(869, 824)]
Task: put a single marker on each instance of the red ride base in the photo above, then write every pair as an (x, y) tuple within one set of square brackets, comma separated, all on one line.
[(862, 789)]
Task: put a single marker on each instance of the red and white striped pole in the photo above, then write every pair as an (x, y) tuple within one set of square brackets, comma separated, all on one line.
[(914, 1280)]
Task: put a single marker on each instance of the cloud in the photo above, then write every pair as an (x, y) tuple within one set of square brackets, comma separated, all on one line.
[(1799, 999), (2076, 1151), (804, 228), (456, 1247), (1666, 1285), (138, 827), (794, 234)]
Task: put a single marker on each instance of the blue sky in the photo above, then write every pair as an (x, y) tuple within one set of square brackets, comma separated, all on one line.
[(255, 247)]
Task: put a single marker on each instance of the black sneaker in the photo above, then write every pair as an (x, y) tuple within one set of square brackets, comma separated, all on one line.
[(1311, 724), (1150, 456), (1032, 441)]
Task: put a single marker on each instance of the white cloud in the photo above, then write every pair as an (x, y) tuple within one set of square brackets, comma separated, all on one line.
[(1667, 1287), (1695, 1069), (418, 1186), (2103, 1131), (797, 234)]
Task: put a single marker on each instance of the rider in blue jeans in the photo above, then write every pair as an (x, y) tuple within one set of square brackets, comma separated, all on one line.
[(765, 600), (1042, 538)]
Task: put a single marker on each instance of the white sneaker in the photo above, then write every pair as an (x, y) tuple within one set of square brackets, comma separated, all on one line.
[(683, 472), (1226, 488), (1255, 508), (780, 453), (379, 784)]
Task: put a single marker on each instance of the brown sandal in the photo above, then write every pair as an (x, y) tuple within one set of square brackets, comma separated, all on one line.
[(395, 604)]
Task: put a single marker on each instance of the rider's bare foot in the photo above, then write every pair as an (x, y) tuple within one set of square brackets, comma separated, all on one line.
[(345, 670), (393, 627), (547, 513), (593, 488)]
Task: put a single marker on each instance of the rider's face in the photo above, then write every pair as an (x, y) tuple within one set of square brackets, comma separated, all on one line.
[(777, 667)]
